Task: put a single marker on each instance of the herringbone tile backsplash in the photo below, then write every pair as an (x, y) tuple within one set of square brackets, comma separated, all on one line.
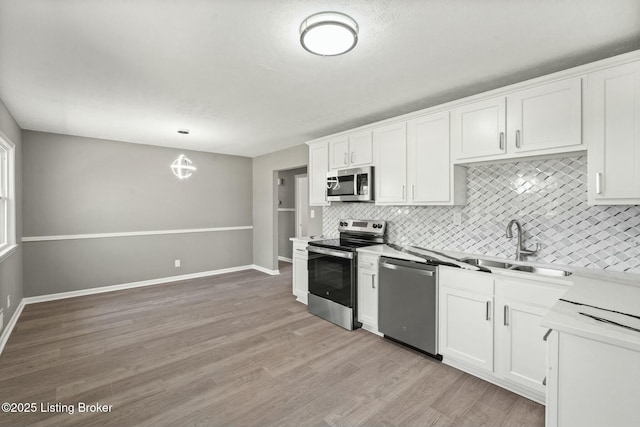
[(549, 197)]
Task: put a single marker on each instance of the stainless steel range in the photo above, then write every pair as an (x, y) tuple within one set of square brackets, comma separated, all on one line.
[(332, 270)]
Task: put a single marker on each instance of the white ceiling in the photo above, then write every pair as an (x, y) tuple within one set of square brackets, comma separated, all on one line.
[(233, 71)]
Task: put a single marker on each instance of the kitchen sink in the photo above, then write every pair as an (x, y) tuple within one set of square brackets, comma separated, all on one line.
[(523, 268)]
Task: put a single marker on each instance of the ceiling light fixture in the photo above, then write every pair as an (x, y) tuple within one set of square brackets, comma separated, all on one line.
[(329, 33)]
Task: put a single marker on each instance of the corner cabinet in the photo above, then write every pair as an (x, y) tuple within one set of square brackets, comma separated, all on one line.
[(613, 133), (368, 291), (541, 120), (318, 168), (300, 276)]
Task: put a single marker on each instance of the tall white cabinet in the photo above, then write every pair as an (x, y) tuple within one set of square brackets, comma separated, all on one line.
[(613, 129)]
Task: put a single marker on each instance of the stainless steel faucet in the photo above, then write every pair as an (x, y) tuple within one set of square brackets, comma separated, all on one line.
[(521, 251)]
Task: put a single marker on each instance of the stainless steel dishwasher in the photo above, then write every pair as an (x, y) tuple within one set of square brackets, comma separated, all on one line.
[(408, 304)]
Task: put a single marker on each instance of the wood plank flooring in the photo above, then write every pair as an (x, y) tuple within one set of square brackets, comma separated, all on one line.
[(235, 349)]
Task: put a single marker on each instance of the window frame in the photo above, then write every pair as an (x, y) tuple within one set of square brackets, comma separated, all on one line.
[(7, 196)]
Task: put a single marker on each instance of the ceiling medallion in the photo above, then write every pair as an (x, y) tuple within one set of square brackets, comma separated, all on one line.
[(329, 33), (182, 167)]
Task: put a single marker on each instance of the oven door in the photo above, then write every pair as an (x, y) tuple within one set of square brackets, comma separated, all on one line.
[(332, 275)]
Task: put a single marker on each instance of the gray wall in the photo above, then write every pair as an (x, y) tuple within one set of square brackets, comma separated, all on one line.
[(265, 218), (11, 268), (75, 185), (287, 219)]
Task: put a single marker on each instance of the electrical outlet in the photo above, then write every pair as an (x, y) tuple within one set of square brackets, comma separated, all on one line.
[(8, 301), (177, 263), (457, 218), (313, 213)]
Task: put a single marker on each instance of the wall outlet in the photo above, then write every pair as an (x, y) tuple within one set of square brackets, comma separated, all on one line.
[(457, 218), (313, 213), (8, 301), (176, 263)]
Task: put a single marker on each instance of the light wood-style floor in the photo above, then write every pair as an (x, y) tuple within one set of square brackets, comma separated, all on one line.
[(235, 349)]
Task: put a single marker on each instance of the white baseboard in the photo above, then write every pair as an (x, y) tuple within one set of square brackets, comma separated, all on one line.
[(10, 325), (265, 270), (285, 259)]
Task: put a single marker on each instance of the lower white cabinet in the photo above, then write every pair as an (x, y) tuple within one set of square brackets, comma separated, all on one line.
[(368, 291), (466, 317), (490, 327), (300, 272), (591, 383)]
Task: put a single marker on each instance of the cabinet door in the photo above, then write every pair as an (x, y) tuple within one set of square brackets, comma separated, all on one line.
[(466, 327), (300, 278), (368, 297), (545, 117), (339, 153), (391, 170), (318, 168), (613, 132), (478, 129), (361, 149), (520, 348), (428, 161)]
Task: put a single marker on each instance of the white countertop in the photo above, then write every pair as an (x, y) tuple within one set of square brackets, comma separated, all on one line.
[(305, 239)]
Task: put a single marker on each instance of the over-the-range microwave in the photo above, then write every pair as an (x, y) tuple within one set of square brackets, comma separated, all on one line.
[(350, 185)]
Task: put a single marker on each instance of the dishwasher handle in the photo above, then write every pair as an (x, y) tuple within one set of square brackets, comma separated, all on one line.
[(401, 268)]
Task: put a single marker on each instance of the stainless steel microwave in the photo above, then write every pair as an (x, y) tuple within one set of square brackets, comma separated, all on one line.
[(350, 185)]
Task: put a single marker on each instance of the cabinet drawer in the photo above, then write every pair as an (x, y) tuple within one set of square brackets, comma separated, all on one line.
[(300, 249), (471, 281), (530, 292), (368, 262)]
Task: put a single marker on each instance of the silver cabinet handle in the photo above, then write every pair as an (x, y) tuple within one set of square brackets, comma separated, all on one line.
[(352, 153), (506, 315), (546, 336), (544, 381), (488, 310), (345, 158), (502, 140), (517, 139), (373, 282), (403, 192), (599, 183)]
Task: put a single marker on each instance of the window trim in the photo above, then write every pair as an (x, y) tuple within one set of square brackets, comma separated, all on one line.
[(10, 246)]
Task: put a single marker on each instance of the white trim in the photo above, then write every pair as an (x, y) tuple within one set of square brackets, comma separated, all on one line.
[(286, 209), (12, 323), (4, 254), (266, 270), (285, 259), (133, 233), (142, 283)]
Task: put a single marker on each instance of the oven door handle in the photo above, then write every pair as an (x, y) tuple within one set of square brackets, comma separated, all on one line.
[(323, 251)]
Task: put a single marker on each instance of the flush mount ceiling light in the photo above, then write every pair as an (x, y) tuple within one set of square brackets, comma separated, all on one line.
[(182, 167), (329, 33)]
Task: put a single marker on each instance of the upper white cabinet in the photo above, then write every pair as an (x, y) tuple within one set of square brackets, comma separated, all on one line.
[(432, 179), (391, 167), (478, 129), (544, 119), (318, 168), (613, 134), (547, 117), (351, 150)]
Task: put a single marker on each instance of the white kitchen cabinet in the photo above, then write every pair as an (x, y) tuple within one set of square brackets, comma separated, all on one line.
[(318, 168), (541, 120), (300, 272), (466, 317), (368, 291), (353, 150), (591, 383), (545, 118), (390, 143), (432, 179), (613, 134), (478, 129)]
